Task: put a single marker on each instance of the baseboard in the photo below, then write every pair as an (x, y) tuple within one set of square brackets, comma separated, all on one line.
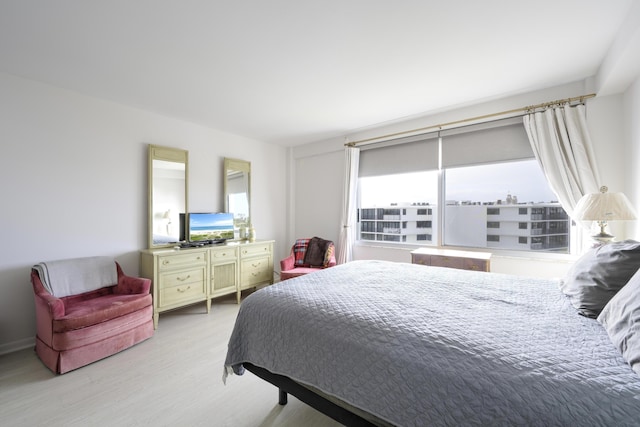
[(17, 345)]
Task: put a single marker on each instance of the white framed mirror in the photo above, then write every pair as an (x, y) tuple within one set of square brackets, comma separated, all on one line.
[(237, 191), (168, 184)]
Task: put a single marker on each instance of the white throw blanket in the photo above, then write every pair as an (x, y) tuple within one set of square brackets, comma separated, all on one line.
[(77, 275)]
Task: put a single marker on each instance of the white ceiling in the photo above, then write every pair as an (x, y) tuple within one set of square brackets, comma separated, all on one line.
[(296, 71)]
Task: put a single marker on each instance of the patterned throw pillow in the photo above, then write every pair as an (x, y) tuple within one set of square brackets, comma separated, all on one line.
[(299, 251), (328, 255)]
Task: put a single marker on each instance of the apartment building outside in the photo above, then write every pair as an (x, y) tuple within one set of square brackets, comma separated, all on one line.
[(509, 226)]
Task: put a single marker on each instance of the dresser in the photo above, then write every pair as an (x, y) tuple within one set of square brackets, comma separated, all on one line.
[(464, 260), (182, 277)]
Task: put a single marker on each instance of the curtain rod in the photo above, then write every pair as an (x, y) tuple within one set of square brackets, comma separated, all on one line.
[(472, 119)]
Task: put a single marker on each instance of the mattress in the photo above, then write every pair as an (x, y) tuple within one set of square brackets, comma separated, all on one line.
[(416, 345)]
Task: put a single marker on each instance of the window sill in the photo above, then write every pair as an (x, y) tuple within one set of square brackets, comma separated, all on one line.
[(498, 253)]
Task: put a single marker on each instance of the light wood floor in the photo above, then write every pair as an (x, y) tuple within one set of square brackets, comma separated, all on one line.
[(172, 379)]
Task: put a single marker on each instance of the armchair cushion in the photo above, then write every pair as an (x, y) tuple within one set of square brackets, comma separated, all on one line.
[(90, 309)]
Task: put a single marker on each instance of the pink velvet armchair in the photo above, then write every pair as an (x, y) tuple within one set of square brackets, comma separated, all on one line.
[(307, 256), (114, 312)]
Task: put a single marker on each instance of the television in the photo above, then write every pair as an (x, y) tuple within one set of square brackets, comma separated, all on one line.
[(207, 226)]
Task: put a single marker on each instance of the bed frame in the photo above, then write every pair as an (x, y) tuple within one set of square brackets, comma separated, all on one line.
[(322, 404)]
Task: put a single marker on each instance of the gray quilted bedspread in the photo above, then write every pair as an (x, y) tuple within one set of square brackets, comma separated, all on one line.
[(430, 346)]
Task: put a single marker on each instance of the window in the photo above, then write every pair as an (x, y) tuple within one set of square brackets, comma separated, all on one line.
[(502, 189), (457, 188), (415, 190)]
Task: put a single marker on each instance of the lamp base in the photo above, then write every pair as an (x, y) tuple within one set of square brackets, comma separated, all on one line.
[(603, 237)]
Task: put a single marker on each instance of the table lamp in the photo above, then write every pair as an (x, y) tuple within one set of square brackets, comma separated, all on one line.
[(603, 207)]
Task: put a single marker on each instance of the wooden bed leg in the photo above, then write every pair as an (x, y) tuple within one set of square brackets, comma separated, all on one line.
[(282, 397)]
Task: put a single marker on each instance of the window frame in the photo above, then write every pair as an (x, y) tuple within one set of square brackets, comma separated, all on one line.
[(574, 237)]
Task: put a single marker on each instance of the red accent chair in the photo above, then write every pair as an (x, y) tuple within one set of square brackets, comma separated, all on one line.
[(75, 330), (307, 256)]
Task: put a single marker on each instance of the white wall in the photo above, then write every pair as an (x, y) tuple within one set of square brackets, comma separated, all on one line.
[(74, 183), (604, 116), (318, 200), (631, 113)]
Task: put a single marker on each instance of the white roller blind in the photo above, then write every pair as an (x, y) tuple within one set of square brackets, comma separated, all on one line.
[(413, 154), (486, 143)]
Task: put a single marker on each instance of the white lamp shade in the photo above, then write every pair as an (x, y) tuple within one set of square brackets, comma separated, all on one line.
[(604, 207)]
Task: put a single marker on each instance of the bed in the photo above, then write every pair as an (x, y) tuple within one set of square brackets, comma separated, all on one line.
[(384, 343)]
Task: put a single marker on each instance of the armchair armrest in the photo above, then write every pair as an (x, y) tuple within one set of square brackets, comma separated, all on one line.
[(131, 285), (48, 308), (287, 263), (44, 300)]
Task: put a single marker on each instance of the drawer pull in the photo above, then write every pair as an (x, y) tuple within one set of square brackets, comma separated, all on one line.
[(183, 290), (182, 279), (166, 262), (256, 265)]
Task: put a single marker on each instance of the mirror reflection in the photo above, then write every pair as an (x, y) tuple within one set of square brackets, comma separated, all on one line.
[(237, 183), (167, 194)]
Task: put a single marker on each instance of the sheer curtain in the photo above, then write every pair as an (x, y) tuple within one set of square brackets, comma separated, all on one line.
[(348, 231), (561, 143)]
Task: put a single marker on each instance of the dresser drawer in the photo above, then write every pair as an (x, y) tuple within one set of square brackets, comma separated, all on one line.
[(181, 293), (255, 270), (182, 277), (479, 261), (446, 261), (223, 254), (475, 264), (182, 286), (254, 250), (186, 259), (421, 259)]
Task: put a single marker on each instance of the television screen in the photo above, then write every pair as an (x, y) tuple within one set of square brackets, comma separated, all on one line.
[(210, 226)]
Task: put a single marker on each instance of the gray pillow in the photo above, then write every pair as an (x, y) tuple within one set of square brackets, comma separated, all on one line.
[(599, 274), (621, 319)]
